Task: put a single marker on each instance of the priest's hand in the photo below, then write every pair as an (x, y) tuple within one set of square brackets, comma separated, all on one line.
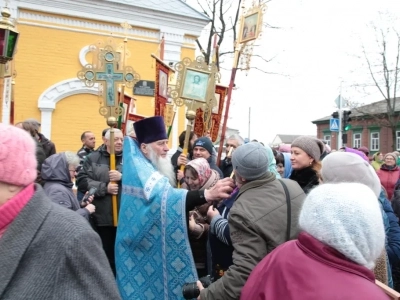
[(182, 160), (221, 190), (114, 175)]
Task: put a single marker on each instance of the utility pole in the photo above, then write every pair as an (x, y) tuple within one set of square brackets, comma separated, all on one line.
[(340, 111), (248, 134)]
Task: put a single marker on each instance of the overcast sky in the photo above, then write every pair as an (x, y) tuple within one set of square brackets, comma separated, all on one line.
[(316, 51)]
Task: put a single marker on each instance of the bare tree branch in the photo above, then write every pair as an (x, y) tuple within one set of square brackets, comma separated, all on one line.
[(263, 71), (384, 74), (264, 59), (227, 52)]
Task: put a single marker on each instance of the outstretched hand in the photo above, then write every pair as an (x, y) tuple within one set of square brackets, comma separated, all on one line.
[(221, 190)]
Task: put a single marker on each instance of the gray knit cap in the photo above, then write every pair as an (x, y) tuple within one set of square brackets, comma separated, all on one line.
[(390, 154), (250, 160), (310, 145)]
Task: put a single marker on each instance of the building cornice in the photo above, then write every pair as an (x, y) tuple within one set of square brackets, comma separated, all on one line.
[(114, 13), (27, 17)]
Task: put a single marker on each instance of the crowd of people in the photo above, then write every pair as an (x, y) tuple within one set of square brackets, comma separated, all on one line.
[(297, 222)]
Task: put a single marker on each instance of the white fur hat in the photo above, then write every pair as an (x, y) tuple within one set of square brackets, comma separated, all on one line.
[(346, 217)]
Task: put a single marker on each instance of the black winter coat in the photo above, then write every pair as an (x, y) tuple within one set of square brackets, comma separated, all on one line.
[(94, 173)]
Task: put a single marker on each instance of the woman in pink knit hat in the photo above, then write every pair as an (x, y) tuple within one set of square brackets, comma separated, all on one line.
[(47, 251)]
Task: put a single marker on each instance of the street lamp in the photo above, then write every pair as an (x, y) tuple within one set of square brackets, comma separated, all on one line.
[(8, 37)]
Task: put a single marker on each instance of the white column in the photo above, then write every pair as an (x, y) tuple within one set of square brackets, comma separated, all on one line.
[(173, 41), (45, 121), (6, 101)]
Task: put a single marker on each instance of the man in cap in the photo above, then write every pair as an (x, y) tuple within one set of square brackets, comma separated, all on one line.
[(47, 145), (47, 251), (264, 215), (96, 173), (153, 256), (204, 148)]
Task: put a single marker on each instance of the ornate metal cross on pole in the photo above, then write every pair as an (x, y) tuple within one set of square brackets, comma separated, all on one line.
[(108, 75)]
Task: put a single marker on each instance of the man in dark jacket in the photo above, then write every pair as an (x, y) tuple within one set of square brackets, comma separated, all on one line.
[(232, 142), (103, 134), (259, 220), (96, 173), (204, 148), (47, 145), (192, 138), (88, 143)]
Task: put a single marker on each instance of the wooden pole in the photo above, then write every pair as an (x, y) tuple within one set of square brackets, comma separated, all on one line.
[(172, 123), (228, 103), (121, 104), (190, 116), (112, 167), (162, 46), (12, 113)]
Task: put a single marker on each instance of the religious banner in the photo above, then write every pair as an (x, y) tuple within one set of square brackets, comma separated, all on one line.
[(169, 115), (216, 115), (161, 86), (129, 116)]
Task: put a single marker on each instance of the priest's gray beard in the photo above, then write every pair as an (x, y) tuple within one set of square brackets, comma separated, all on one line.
[(163, 165)]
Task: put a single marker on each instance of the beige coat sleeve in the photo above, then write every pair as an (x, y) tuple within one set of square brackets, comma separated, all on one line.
[(249, 250)]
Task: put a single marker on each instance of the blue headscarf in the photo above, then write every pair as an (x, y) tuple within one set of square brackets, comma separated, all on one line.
[(288, 165), (152, 252), (272, 162)]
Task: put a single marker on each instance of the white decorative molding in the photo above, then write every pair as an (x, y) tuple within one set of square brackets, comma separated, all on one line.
[(31, 18), (104, 11), (173, 38), (82, 55), (85, 31), (6, 100), (63, 89), (189, 40), (45, 121)]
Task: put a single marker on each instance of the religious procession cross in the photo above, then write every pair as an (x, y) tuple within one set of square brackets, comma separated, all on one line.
[(106, 72), (109, 75)]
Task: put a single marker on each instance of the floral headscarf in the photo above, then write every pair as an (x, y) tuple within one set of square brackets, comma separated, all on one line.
[(202, 168)]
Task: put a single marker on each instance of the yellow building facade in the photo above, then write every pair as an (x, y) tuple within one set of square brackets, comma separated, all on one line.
[(54, 45)]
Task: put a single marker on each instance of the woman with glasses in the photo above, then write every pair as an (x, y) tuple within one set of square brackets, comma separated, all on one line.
[(58, 173), (389, 174)]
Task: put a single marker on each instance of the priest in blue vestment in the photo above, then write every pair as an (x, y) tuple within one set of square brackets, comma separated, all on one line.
[(152, 252)]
